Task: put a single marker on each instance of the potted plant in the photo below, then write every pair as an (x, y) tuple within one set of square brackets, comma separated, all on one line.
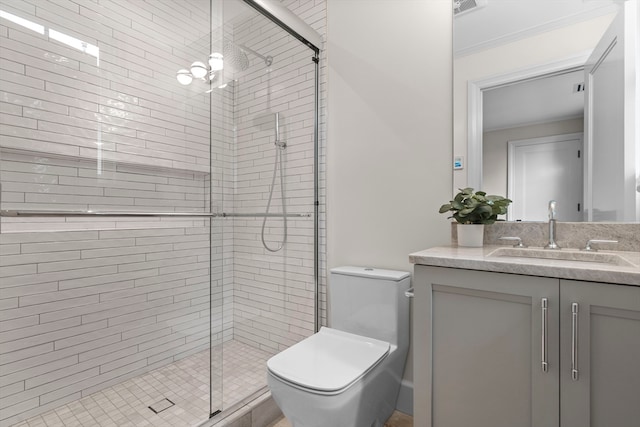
[(473, 210)]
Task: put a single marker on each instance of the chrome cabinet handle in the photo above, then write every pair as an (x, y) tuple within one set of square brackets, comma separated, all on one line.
[(574, 341), (409, 293), (545, 326)]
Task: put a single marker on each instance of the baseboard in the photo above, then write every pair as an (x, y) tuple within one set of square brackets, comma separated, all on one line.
[(405, 397)]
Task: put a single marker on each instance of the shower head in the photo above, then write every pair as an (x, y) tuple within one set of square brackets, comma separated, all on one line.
[(236, 55)]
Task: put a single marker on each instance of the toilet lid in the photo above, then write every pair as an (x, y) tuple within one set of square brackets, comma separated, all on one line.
[(329, 360)]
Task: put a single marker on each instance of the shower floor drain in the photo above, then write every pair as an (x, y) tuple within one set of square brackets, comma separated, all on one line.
[(161, 406)]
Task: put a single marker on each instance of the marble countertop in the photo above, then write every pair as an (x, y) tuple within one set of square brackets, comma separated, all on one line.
[(603, 266)]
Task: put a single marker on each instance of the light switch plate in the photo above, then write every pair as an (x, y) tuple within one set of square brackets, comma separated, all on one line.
[(458, 163)]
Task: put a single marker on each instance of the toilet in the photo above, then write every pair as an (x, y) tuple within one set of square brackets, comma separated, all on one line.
[(348, 375)]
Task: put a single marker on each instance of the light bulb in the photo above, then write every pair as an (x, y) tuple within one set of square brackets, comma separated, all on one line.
[(216, 61), (184, 77), (198, 70)]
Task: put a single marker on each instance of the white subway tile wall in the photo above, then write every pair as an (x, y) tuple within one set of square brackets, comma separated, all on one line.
[(83, 310), (273, 292), (90, 302), (34, 182), (86, 303), (119, 103)]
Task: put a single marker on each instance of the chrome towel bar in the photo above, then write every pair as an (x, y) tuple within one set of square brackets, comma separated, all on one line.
[(45, 213)]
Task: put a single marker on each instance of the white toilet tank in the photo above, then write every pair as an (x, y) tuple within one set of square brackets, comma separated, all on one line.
[(370, 302)]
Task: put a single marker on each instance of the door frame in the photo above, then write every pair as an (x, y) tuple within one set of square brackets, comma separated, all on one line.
[(621, 33), (511, 158), (475, 91)]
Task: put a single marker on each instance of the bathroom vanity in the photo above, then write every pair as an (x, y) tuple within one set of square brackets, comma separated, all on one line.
[(508, 337)]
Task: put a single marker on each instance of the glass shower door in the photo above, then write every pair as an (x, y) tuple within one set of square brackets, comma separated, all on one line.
[(266, 137), (110, 254)]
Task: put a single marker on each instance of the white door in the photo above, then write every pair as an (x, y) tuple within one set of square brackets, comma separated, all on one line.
[(611, 123), (543, 169)]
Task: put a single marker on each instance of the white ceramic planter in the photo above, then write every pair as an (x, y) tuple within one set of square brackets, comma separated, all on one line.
[(471, 235)]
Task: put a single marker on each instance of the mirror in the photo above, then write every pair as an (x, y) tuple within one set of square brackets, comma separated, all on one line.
[(519, 78)]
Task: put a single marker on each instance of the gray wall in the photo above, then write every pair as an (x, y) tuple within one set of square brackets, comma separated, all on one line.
[(389, 131)]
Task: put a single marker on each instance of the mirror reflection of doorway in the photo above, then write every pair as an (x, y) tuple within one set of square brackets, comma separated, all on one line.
[(532, 110), (543, 169), (612, 194)]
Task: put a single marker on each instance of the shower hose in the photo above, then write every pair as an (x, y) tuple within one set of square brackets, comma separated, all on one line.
[(277, 161)]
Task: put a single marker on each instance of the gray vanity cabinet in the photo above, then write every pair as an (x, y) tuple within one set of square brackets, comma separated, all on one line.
[(481, 347), (604, 390), (494, 349)]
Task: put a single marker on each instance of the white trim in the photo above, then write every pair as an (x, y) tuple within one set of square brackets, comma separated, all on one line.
[(474, 136), (624, 33), (474, 110), (404, 403), (537, 122), (535, 30)]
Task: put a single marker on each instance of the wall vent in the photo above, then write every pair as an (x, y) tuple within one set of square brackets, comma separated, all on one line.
[(464, 6)]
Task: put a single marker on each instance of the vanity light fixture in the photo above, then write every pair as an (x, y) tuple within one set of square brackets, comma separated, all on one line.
[(216, 61), (200, 70), (184, 77)]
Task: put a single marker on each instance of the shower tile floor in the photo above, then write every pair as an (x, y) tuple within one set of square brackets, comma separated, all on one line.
[(185, 383)]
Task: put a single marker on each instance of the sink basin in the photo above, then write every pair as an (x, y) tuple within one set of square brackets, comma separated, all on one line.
[(563, 255)]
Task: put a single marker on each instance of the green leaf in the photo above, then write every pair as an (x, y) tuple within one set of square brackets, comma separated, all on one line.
[(471, 207), (445, 208)]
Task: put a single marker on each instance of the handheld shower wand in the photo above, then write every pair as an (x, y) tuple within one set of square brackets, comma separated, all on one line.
[(278, 142), (278, 160)]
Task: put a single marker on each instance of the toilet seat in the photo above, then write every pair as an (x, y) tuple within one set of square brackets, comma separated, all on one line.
[(329, 361)]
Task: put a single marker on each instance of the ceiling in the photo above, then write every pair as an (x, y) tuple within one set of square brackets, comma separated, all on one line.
[(497, 22), (538, 101)]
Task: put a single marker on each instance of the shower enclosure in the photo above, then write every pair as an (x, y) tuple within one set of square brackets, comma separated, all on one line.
[(159, 206)]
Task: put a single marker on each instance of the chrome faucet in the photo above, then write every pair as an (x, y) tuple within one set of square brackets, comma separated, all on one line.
[(552, 226), (592, 241), (517, 241)]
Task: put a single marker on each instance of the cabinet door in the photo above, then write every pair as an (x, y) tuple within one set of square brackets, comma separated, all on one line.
[(603, 331), (478, 343)]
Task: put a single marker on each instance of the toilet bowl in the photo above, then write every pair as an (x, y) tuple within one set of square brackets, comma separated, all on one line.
[(348, 375)]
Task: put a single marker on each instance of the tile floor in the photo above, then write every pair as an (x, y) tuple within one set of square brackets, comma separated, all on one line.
[(397, 419), (185, 383)]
